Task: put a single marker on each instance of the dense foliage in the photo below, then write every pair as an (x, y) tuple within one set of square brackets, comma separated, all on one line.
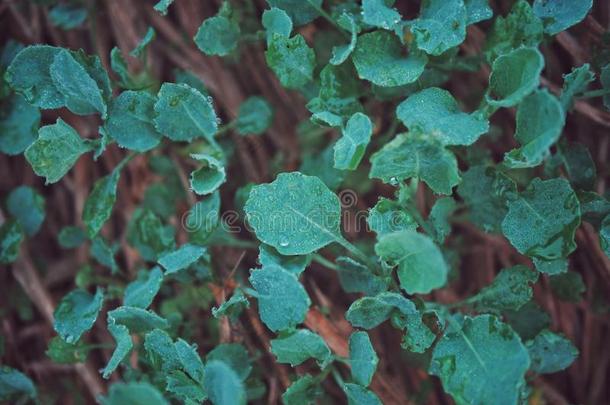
[(144, 282)]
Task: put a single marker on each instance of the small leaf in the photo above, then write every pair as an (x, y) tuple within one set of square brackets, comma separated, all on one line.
[(140, 50), (301, 12), (510, 289), (203, 219), (540, 120), (350, 148), (182, 258), (190, 360), (183, 113), (477, 11), (146, 233), (28, 208), (235, 356), (378, 14), (388, 216), (141, 292), (99, 203), (162, 6), (442, 209), (421, 266), (528, 321), (574, 83), (527, 229), (559, 15), (415, 155), (161, 351), (514, 76), (579, 165), (303, 391), (296, 214), (14, 385), (568, 286), (255, 116), (358, 395), (276, 21), (209, 177), (321, 165), (137, 320), (232, 307), (103, 253), (19, 122), (299, 347), (56, 150), (355, 277), (282, 300), (342, 52), (67, 16), (441, 25), (291, 60), (362, 357), (551, 352), (295, 264), (124, 344), (67, 353), (184, 387), (76, 313), (133, 393), (223, 385), (435, 112), (485, 347), (71, 237), (217, 35), (11, 236), (379, 58)]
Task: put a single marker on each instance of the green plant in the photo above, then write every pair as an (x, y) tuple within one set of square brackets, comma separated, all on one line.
[(536, 196)]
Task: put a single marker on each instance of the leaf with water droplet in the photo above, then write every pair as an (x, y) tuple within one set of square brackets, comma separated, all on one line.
[(76, 313)]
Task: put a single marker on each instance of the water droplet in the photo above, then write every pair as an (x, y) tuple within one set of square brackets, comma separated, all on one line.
[(174, 101), (393, 181), (284, 243)]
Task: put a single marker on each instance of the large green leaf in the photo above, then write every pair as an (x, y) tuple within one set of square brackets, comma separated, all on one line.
[(481, 361)]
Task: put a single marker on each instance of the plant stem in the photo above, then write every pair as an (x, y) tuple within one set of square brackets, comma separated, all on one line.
[(594, 93), (414, 212), (327, 17), (356, 252), (318, 258)]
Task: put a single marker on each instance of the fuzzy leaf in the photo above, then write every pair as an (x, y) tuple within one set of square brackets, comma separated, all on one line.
[(162, 6), (276, 21), (14, 385), (296, 214), (379, 58), (181, 258), (509, 290), (350, 148), (301, 12), (223, 385), (11, 236), (141, 292), (415, 155), (135, 393), (99, 203), (551, 352), (27, 207), (217, 35), (295, 264), (56, 150), (342, 52), (388, 216), (235, 356), (362, 358), (282, 300), (124, 344), (76, 313), (209, 177), (559, 15), (435, 112), (355, 277), (574, 83), (255, 116), (291, 60), (441, 25), (232, 307), (299, 347), (378, 14), (140, 50), (477, 11), (421, 266), (190, 360), (137, 320), (161, 351), (303, 391), (19, 122), (358, 395)]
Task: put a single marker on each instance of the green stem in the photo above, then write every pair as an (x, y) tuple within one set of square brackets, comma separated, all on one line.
[(318, 258), (328, 18), (337, 377), (226, 128), (414, 212), (594, 93), (356, 252)]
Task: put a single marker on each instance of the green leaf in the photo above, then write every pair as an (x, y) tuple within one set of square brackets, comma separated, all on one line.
[(254, 116), (81, 93), (442, 209), (190, 360), (362, 358), (217, 35), (526, 224), (268, 256), (282, 300), (568, 286), (209, 177), (276, 21), (124, 344), (528, 321), (551, 352), (540, 120), (184, 387), (358, 395), (291, 60), (19, 122), (56, 150), (183, 113), (140, 50), (137, 320), (130, 121), (301, 12), (477, 11), (559, 15), (161, 351), (483, 190), (67, 353), (378, 14), (369, 312), (421, 266), (181, 258), (28, 208), (340, 53), (510, 289), (379, 58), (29, 75), (481, 361), (71, 237), (388, 216), (435, 112), (203, 219), (520, 28), (235, 356), (76, 313), (299, 347), (223, 385), (416, 155), (579, 165), (321, 165), (232, 307), (103, 253), (303, 391), (141, 292), (99, 203), (134, 393), (11, 236), (574, 83), (441, 25), (604, 236), (513, 76), (350, 148), (162, 6), (147, 234), (14, 385), (296, 214), (67, 16), (355, 277)]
